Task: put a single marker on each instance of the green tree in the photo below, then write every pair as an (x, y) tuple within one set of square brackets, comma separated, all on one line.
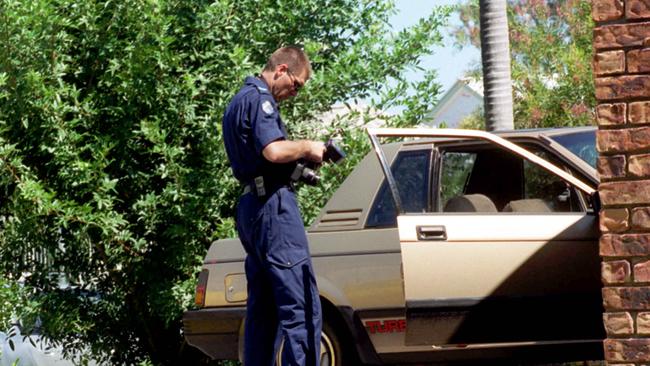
[(550, 42), (113, 177)]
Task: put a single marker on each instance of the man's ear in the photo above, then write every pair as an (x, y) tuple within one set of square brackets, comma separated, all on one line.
[(281, 68)]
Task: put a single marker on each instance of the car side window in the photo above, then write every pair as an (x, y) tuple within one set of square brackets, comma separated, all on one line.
[(494, 180), (411, 170), (543, 186), (455, 174)]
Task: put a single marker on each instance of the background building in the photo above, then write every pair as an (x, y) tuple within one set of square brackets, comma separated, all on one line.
[(462, 99)]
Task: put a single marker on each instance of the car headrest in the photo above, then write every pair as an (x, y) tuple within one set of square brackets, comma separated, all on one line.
[(527, 205), (470, 203)]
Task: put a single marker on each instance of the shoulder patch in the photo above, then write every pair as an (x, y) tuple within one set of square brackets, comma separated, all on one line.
[(261, 89), (267, 107)]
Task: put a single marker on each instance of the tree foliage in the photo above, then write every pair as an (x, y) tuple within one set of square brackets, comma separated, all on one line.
[(550, 42), (113, 177)]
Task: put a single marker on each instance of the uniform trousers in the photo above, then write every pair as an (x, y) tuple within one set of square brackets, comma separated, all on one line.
[(283, 302)]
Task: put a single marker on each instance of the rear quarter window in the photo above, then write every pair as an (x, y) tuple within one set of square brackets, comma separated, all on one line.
[(411, 170)]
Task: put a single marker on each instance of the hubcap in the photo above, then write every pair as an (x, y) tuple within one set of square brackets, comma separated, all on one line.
[(326, 351), (327, 357)]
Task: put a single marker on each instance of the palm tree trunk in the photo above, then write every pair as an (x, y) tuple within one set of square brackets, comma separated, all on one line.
[(495, 55)]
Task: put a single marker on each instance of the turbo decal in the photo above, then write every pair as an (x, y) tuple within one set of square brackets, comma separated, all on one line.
[(386, 326)]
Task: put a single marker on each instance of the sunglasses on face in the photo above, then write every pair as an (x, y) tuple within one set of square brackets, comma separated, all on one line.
[(297, 84)]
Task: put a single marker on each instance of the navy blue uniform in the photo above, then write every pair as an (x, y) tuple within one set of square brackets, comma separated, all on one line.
[(283, 300)]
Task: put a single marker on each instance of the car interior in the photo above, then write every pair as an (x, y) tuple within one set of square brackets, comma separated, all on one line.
[(495, 180)]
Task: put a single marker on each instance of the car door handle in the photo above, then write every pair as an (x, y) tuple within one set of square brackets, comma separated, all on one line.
[(431, 232)]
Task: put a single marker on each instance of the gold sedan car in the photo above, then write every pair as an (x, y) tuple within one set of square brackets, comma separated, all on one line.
[(450, 246)]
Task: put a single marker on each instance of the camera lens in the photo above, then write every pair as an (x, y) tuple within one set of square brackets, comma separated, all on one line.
[(310, 177)]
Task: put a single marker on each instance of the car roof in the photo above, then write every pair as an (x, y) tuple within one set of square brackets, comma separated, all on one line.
[(533, 133)]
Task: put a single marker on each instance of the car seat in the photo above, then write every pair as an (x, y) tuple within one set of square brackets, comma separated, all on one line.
[(527, 205)]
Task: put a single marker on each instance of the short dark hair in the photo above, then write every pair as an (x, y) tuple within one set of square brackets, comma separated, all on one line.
[(293, 56)]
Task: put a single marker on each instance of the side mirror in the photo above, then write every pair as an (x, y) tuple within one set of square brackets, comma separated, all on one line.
[(564, 196), (595, 201)]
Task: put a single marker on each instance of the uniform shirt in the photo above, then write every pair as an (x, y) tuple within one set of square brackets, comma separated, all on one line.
[(251, 122)]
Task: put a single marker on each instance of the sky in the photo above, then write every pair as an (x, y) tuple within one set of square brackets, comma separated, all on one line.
[(449, 62)]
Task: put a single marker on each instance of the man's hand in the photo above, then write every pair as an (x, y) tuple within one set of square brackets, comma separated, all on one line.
[(283, 151), (314, 150)]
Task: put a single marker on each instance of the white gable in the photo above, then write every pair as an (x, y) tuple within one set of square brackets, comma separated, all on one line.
[(463, 99)]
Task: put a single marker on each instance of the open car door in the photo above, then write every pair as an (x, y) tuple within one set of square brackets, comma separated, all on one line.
[(474, 274)]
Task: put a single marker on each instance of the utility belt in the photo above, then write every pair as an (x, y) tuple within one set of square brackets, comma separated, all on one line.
[(265, 186)]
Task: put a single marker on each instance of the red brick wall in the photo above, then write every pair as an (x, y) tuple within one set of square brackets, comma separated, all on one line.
[(622, 77)]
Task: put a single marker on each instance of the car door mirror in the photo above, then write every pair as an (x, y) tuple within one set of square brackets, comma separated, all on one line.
[(595, 201), (565, 196)]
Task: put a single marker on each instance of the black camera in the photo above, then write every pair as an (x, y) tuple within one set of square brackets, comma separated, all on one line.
[(305, 170)]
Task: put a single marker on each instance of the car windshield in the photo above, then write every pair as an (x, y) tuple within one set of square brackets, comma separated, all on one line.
[(582, 144)]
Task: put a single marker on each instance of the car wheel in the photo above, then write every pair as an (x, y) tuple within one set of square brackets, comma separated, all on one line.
[(331, 349)]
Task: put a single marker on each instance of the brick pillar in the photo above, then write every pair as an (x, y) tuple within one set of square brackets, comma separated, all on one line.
[(622, 78)]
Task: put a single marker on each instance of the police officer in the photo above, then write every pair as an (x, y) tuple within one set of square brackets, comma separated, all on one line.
[(283, 300)]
